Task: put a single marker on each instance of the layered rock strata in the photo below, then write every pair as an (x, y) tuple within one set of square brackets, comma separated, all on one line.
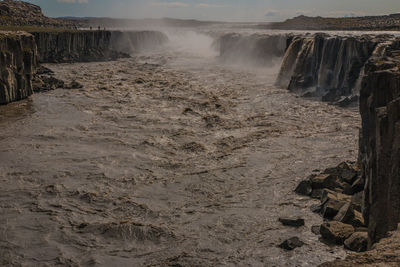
[(327, 66), (256, 49), (17, 65)]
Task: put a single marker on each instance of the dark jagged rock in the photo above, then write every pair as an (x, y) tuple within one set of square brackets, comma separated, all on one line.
[(379, 152), (17, 65), (304, 188), (295, 222), (258, 49), (291, 243), (336, 232)]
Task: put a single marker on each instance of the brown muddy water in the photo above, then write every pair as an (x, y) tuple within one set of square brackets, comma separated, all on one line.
[(167, 159)]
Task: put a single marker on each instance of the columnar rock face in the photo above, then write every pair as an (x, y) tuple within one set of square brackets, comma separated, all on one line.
[(259, 49), (17, 65), (379, 152), (326, 66), (135, 41), (84, 46), (71, 46)]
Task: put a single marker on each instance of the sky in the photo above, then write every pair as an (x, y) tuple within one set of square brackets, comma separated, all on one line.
[(220, 10)]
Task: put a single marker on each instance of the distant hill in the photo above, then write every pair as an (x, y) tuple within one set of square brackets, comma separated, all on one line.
[(378, 23), (18, 13), (126, 23)]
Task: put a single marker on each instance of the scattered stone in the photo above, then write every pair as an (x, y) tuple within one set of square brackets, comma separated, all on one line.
[(316, 229), (304, 188), (357, 242), (291, 243), (336, 232), (292, 222), (332, 202)]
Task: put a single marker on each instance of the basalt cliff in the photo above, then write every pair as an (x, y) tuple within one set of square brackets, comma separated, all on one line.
[(21, 52), (330, 67), (18, 62)]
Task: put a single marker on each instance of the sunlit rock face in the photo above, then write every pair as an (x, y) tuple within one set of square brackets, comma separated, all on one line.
[(326, 66), (255, 49), (379, 152), (131, 42), (17, 65)]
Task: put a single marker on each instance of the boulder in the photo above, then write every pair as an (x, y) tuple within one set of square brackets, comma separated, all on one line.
[(357, 242), (291, 243), (323, 181), (295, 222), (348, 215), (332, 202), (336, 232)]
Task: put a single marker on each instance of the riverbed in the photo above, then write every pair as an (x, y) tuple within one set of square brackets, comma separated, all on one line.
[(168, 158)]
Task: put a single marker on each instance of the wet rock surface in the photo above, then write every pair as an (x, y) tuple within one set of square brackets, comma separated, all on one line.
[(192, 166)]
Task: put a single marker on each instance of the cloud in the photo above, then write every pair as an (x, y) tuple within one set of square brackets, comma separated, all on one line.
[(73, 1), (204, 5), (170, 4)]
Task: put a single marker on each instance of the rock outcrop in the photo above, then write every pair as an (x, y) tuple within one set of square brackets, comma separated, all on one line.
[(256, 49), (19, 13), (379, 152), (17, 65), (327, 66), (131, 42)]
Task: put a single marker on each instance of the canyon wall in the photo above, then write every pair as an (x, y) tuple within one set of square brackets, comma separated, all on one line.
[(255, 49), (131, 42), (327, 66), (86, 46), (379, 152), (17, 65), (73, 46)]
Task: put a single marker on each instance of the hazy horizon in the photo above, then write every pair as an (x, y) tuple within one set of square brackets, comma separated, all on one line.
[(216, 10)]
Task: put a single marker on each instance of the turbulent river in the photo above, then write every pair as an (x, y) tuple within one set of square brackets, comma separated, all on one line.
[(168, 158)]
